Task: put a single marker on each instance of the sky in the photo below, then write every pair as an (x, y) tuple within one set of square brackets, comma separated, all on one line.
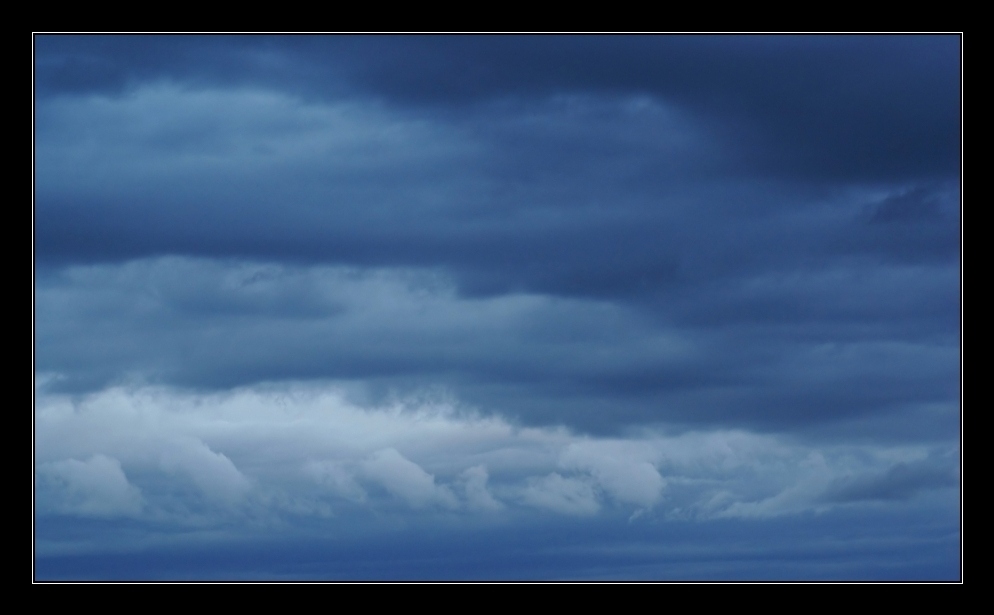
[(497, 308)]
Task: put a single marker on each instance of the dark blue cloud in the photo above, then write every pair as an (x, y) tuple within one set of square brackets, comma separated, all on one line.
[(817, 107), (901, 482), (743, 236)]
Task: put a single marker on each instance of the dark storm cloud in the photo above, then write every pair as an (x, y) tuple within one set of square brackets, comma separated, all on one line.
[(866, 107), (741, 196), (560, 306), (596, 192), (857, 107)]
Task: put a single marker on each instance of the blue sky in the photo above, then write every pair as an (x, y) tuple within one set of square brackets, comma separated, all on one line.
[(497, 307)]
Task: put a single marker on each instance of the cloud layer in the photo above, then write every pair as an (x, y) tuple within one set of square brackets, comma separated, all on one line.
[(346, 287), (128, 451), (591, 363)]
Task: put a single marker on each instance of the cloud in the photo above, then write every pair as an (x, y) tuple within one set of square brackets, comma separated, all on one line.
[(475, 487), (213, 473), (865, 107), (584, 247), (338, 478), (621, 468), (812, 481), (570, 496), (334, 285), (406, 479), (96, 487), (902, 481), (749, 354), (229, 453)]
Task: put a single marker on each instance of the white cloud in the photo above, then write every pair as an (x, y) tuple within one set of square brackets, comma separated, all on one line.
[(307, 447)]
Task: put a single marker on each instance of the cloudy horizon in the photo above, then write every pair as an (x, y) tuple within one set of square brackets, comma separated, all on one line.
[(497, 307)]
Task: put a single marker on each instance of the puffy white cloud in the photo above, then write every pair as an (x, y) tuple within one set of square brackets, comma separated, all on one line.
[(299, 448)]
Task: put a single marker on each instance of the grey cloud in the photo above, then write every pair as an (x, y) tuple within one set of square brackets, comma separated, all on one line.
[(867, 107), (540, 358), (277, 450), (900, 482), (554, 492), (97, 487), (748, 244), (407, 480)]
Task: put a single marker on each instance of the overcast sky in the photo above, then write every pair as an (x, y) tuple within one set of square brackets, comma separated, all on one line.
[(497, 307)]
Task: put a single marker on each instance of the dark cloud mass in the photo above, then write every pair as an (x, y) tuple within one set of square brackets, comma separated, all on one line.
[(861, 107), (572, 254)]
